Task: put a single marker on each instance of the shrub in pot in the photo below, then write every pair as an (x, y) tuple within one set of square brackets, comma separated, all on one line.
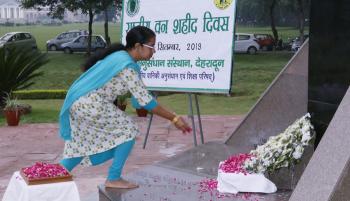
[(12, 111), (141, 112), (18, 67)]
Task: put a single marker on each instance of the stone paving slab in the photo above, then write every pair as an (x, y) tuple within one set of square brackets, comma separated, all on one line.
[(23, 145), (182, 177), (202, 160)]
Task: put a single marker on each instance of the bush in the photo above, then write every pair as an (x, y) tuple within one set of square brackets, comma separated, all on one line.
[(40, 94), (9, 24), (18, 67)]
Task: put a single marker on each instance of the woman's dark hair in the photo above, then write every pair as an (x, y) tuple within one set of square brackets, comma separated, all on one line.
[(138, 34)]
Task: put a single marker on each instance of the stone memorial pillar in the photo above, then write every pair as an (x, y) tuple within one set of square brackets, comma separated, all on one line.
[(329, 60)]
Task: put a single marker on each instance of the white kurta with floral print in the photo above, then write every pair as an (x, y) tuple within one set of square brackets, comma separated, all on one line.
[(97, 124)]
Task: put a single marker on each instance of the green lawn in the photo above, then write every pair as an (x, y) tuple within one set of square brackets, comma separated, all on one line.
[(60, 72), (251, 76)]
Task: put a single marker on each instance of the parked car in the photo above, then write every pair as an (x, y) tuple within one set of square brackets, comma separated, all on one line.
[(55, 43), (80, 44), (266, 41), (18, 40), (246, 43), (296, 43)]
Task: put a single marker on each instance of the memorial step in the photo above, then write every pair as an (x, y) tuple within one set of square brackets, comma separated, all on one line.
[(179, 179), (164, 184)]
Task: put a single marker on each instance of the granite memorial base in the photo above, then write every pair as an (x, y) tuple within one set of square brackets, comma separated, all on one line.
[(164, 184)]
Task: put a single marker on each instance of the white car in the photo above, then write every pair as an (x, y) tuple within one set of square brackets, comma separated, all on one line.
[(246, 43)]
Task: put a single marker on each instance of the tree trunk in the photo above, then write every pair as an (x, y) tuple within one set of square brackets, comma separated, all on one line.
[(108, 40), (272, 20), (301, 18), (91, 18)]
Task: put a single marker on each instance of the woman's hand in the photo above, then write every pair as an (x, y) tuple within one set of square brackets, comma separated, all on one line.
[(178, 121), (181, 124)]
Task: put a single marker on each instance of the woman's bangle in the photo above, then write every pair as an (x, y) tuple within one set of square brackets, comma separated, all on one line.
[(175, 119)]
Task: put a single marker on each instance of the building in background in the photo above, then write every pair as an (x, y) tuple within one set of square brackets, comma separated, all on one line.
[(12, 12)]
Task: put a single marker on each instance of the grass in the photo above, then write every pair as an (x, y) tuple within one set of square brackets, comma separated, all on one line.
[(251, 76), (60, 72)]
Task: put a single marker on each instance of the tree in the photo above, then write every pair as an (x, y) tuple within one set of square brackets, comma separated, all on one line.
[(301, 19), (300, 9), (108, 39), (286, 12), (105, 5), (272, 5), (258, 12), (18, 67), (251, 12), (57, 9)]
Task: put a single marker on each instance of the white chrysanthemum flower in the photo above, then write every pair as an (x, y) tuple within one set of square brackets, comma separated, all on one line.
[(276, 152), (266, 163), (285, 164), (298, 152), (305, 130), (305, 139), (307, 115), (261, 169)]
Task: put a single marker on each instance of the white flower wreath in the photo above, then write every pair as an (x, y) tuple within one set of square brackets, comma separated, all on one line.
[(282, 150)]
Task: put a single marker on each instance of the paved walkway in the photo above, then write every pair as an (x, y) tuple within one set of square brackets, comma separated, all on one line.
[(23, 145)]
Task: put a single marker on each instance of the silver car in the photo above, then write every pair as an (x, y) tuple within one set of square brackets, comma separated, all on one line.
[(18, 40), (55, 43), (80, 44)]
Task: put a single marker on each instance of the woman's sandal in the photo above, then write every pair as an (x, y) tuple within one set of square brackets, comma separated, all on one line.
[(121, 183)]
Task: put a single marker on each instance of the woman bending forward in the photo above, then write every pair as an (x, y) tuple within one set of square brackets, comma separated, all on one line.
[(93, 128)]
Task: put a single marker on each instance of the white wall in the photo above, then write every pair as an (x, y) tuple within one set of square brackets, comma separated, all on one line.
[(10, 11)]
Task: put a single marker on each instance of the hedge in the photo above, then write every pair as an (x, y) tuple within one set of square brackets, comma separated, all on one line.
[(40, 94)]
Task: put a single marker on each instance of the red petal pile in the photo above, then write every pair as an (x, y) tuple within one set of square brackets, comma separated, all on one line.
[(44, 170), (234, 164)]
